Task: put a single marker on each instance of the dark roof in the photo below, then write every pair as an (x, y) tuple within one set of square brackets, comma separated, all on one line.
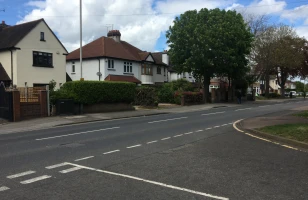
[(108, 47), (11, 35), (68, 78), (3, 75), (122, 78)]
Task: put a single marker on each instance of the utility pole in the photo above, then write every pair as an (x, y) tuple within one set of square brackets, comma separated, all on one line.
[(81, 39)]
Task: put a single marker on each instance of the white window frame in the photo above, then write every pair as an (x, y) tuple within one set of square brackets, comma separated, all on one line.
[(128, 67), (73, 67), (110, 64)]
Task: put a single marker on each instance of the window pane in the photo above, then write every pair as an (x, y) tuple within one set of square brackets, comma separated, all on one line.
[(131, 69), (112, 63), (124, 68)]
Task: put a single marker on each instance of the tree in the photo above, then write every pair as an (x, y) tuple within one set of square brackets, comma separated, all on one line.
[(209, 43)]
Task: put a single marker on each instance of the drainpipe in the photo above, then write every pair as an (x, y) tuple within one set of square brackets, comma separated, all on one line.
[(12, 78), (99, 69)]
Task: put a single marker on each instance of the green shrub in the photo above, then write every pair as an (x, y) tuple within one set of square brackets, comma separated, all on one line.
[(92, 92), (273, 95), (166, 93), (146, 96), (182, 85), (60, 94), (189, 98)]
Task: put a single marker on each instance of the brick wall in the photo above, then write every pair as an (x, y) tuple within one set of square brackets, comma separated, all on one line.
[(30, 110)]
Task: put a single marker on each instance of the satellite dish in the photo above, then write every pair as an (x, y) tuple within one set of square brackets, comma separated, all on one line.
[(99, 74)]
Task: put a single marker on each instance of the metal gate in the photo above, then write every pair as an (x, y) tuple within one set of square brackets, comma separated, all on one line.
[(6, 103)]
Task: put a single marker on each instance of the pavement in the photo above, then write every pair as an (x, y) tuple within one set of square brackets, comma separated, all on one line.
[(195, 154)]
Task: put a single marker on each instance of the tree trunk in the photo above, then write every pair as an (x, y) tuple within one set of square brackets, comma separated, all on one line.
[(267, 85), (206, 92), (282, 91)]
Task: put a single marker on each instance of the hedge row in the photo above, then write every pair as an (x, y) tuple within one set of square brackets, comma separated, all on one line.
[(190, 98), (146, 96), (92, 92)]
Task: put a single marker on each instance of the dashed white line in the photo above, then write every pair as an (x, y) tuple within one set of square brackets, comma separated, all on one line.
[(20, 174), (70, 170), (3, 188), (198, 131), (35, 179), (167, 138), (264, 106), (153, 182), (59, 136), (167, 120), (84, 158), (188, 133), (225, 125), (243, 109), (138, 145), (152, 142), (178, 135), (213, 113), (111, 152), (56, 166), (208, 128), (216, 126), (231, 123)]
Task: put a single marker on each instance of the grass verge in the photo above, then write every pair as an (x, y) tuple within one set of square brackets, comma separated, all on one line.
[(302, 114), (297, 132)]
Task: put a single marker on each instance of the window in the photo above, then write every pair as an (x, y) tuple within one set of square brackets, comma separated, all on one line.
[(73, 67), (42, 59), (128, 67), (146, 69), (110, 64), (42, 36), (158, 70)]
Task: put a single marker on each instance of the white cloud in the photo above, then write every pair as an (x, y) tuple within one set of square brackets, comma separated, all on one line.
[(263, 7), (37, 4), (140, 22), (296, 13), (302, 31)]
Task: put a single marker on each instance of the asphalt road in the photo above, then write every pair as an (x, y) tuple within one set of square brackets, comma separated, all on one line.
[(194, 155)]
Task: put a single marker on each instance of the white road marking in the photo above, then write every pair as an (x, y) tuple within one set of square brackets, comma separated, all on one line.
[(59, 136), (208, 129), (167, 138), (243, 109), (20, 174), (70, 170), (231, 123), (216, 126), (198, 131), (35, 179), (152, 142), (111, 152), (152, 182), (84, 158), (225, 125), (264, 106), (234, 126), (3, 188), (138, 145), (178, 135), (56, 166), (214, 113), (188, 133), (290, 147), (167, 120)]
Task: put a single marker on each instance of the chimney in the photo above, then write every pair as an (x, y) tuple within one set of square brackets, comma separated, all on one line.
[(115, 34), (165, 57)]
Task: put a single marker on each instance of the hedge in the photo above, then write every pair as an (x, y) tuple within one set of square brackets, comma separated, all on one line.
[(190, 98), (146, 96), (92, 92)]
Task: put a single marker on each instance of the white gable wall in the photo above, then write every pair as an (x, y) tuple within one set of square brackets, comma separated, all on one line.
[(5, 60), (26, 72)]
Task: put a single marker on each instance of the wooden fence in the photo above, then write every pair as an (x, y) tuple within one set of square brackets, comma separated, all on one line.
[(29, 94)]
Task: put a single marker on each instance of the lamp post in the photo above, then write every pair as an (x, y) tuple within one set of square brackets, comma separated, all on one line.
[(80, 39)]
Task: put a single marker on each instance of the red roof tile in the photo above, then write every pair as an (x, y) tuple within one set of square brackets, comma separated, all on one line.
[(122, 78)]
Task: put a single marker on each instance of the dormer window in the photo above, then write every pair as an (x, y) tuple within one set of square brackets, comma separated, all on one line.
[(42, 36)]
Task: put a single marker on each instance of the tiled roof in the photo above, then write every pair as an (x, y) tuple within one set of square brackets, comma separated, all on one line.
[(3, 75), (122, 78), (107, 47), (11, 35)]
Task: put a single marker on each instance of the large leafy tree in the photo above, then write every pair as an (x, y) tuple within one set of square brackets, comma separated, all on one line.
[(209, 43)]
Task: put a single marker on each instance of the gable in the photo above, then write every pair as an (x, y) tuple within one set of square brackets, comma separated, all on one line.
[(150, 58), (32, 40)]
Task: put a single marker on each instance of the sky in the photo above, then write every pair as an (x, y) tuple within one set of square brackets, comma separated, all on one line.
[(142, 23)]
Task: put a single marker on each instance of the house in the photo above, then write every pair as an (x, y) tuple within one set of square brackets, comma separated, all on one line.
[(31, 54), (290, 85), (110, 58)]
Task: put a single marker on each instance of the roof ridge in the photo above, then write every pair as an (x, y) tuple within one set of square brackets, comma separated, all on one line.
[(38, 20)]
